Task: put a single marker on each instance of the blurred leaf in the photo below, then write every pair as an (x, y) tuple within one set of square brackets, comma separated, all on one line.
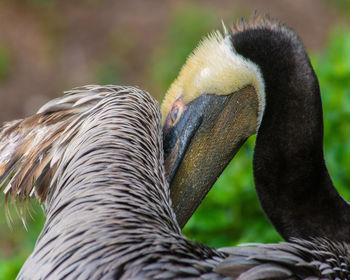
[(333, 70), (342, 6), (15, 242), (10, 268), (187, 26), (5, 62), (108, 73)]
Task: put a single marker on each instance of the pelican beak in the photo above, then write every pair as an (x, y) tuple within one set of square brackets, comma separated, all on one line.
[(201, 143)]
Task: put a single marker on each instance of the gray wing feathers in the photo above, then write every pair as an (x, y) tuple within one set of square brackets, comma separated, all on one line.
[(298, 259), (255, 263)]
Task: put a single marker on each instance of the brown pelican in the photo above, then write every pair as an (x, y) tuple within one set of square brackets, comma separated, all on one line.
[(262, 63), (95, 158)]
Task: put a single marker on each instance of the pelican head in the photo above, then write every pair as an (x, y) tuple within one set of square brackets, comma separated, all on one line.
[(213, 106)]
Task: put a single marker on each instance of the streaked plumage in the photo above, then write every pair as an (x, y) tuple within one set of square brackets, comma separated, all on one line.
[(298, 259), (108, 211)]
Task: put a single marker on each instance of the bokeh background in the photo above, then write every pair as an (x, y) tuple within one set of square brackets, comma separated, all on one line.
[(48, 46)]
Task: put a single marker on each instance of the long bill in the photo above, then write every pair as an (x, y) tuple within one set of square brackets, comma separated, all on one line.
[(201, 142)]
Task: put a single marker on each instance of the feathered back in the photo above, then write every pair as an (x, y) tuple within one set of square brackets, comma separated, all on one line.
[(31, 148)]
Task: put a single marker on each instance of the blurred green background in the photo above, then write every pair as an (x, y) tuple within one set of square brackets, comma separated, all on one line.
[(47, 47)]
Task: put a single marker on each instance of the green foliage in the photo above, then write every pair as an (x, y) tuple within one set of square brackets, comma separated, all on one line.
[(16, 243), (187, 26), (108, 73), (10, 268), (342, 6), (333, 70), (5, 62), (115, 63)]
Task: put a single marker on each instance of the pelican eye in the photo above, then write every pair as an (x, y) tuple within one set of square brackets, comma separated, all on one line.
[(177, 109), (174, 115), (176, 112)]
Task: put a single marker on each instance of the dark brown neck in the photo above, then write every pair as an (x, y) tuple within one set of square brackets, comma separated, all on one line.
[(292, 181)]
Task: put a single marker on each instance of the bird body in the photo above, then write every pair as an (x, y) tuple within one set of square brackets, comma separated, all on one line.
[(108, 210), (100, 174)]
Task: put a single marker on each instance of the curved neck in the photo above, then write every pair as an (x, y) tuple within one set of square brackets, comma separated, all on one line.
[(292, 181)]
